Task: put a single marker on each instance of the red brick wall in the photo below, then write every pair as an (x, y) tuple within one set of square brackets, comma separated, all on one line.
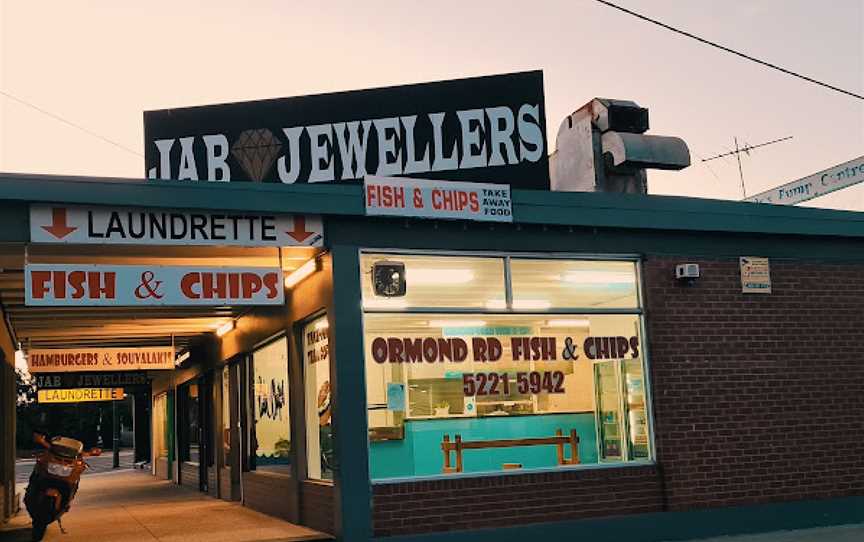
[(757, 398), (472, 503)]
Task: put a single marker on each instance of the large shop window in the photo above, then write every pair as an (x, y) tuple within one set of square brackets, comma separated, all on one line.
[(491, 364), (319, 431), (272, 429)]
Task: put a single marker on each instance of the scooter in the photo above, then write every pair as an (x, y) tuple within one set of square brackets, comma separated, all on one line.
[(54, 481)]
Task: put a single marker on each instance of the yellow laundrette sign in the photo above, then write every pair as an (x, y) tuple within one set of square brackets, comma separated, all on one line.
[(80, 395)]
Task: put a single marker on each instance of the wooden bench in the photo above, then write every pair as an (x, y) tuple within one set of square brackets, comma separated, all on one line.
[(559, 441)]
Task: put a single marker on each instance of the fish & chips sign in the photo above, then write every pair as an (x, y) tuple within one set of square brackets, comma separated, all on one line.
[(465, 130)]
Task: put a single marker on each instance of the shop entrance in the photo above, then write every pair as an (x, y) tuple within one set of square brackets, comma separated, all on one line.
[(224, 420)]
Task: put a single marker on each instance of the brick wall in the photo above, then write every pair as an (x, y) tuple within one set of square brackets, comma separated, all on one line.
[(189, 475), (472, 503), (757, 398), (316, 506)]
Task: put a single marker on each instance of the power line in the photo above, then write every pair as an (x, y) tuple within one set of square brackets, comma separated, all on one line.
[(728, 50), (70, 123)]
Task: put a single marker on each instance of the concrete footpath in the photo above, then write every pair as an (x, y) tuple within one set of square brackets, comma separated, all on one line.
[(132, 506), (843, 533)]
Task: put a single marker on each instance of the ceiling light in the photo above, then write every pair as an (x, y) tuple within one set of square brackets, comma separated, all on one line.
[(225, 328), (301, 273), (385, 303), (322, 324), (414, 276), (568, 323), (457, 323), (531, 304), (588, 276)]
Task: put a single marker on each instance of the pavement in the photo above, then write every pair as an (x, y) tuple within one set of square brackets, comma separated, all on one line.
[(133, 506), (842, 533), (99, 464)]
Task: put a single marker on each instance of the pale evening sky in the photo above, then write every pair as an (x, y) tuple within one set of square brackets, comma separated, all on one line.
[(100, 64)]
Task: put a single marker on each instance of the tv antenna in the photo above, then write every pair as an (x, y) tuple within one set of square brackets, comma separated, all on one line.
[(745, 149)]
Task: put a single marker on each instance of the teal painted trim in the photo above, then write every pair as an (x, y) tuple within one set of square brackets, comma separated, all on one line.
[(14, 223), (353, 492), (582, 209), (319, 198), (669, 526)]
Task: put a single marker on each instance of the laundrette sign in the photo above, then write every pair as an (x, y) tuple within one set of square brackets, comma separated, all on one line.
[(477, 129)]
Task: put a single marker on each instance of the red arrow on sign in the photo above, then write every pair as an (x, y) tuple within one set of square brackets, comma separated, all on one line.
[(299, 232), (58, 227)]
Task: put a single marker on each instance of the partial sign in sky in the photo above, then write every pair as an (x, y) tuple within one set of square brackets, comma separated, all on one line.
[(100, 64)]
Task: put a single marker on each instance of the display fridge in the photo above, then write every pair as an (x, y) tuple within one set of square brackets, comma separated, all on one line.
[(621, 411)]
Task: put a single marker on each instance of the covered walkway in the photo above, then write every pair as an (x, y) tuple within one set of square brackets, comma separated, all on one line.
[(132, 506)]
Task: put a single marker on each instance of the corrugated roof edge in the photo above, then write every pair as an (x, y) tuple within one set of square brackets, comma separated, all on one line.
[(530, 207)]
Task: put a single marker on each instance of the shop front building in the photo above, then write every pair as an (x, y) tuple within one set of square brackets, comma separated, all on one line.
[(597, 365)]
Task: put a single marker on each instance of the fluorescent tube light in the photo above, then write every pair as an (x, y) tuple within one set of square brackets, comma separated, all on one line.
[(225, 328), (457, 323), (588, 276), (415, 275), (560, 322), (300, 273), (385, 303)]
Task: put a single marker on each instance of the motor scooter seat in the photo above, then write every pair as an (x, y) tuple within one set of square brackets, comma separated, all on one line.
[(68, 448)]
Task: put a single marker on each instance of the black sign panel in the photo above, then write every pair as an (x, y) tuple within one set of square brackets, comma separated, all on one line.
[(485, 129), (120, 379)]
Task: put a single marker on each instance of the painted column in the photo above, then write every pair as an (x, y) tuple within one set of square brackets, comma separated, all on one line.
[(353, 494)]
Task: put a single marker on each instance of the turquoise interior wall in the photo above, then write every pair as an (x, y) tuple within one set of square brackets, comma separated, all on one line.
[(419, 454)]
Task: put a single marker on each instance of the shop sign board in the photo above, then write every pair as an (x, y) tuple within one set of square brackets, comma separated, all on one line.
[(119, 379), (78, 360), (425, 198), (141, 226), (812, 186), (80, 395), (472, 129), (755, 275), (134, 285)]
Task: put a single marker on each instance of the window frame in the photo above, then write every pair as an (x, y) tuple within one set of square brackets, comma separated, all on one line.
[(506, 257), (251, 457)]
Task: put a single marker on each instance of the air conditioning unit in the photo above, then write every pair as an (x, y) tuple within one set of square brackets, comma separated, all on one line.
[(687, 271)]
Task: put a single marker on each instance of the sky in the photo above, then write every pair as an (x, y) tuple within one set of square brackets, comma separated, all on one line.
[(100, 64)]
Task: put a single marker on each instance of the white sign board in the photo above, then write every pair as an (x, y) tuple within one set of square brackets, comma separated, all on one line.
[(139, 226), (134, 285), (755, 275), (62, 360), (818, 184), (423, 198)]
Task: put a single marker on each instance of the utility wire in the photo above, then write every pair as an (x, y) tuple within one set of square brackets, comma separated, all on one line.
[(728, 50), (70, 123)]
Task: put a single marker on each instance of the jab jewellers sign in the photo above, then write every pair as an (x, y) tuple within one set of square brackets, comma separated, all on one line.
[(131, 285), (464, 130), (424, 198), (140, 226), (60, 360)]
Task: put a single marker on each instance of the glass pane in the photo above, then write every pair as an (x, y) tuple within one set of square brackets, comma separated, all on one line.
[(319, 433), (608, 411), (637, 414), (272, 431), (431, 281), (160, 428), (544, 284), (194, 450), (487, 377)]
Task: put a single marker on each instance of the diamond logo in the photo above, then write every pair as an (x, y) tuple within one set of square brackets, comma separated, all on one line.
[(256, 150)]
